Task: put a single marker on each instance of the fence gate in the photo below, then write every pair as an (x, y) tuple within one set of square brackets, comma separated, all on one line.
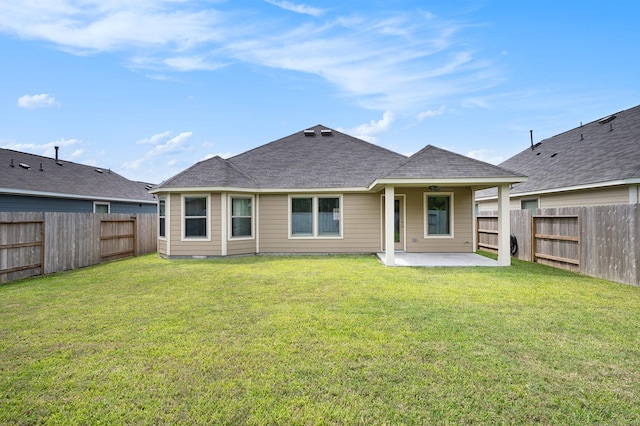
[(21, 249), (556, 240), (118, 238)]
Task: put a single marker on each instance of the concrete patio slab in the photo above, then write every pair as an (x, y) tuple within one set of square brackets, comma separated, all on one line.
[(440, 259)]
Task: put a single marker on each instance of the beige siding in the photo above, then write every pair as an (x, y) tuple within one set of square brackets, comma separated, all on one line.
[(586, 198), (237, 247), (361, 227), (162, 246), (416, 241), (582, 198), (194, 247)]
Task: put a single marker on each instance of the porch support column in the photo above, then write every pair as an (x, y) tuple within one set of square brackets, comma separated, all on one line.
[(390, 256), (504, 226)]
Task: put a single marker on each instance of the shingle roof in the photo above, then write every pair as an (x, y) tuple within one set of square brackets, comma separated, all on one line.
[(433, 163), (67, 179), (215, 171), (320, 157), (604, 150)]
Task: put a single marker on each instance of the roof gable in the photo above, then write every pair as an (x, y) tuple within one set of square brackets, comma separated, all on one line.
[(213, 172), (317, 158), (433, 163), (64, 178)]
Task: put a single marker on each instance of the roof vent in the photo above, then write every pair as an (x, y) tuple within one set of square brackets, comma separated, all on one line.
[(41, 169), (326, 132), (12, 165), (148, 187), (554, 154), (25, 166), (99, 170), (607, 119), (309, 132)]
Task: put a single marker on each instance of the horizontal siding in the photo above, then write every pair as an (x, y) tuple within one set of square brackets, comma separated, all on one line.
[(587, 198), (361, 227), (194, 247), (583, 198), (462, 242), (238, 247), (17, 203)]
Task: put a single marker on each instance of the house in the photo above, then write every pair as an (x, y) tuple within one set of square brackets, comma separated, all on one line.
[(597, 163), (322, 191), (32, 183)]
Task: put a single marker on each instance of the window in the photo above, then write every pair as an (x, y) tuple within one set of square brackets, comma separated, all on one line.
[(302, 217), (316, 217), (529, 204), (241, 217), (161, 217), (100, 207), (439, 220), (195, 217)]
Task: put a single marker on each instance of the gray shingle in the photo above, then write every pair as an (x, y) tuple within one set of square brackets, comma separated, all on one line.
[(325, 158), (69, 178), (436, 163), (214, 172), (600, 151), (333, 161)]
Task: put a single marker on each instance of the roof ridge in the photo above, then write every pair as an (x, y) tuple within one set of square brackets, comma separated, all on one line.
[(239, 170)]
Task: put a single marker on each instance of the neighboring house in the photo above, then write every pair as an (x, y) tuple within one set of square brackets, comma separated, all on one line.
[(595, 164), (322, 191), (32, 183)]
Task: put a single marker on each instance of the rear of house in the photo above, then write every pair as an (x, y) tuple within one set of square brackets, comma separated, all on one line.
[(322, 191)]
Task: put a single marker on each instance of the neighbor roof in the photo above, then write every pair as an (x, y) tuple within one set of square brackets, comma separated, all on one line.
[(597, 153), (320, 157), (29, 174)]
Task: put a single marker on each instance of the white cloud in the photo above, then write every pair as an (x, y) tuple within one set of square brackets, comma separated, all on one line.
[(398, 60), (367, 131), (431, 113), (163, 144), (155, 139), (37, 101), (485, 155), (298, 8)]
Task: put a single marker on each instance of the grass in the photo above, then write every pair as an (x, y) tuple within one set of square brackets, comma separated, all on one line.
[(317, 340)]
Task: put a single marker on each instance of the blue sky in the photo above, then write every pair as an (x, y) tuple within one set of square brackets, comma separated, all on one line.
[(149, 87)]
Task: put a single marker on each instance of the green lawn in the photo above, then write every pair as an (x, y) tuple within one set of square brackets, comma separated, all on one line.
[(317, 340)]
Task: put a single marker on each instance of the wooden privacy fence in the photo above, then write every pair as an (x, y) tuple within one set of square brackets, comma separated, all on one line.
[(601, 241), (43, 243)]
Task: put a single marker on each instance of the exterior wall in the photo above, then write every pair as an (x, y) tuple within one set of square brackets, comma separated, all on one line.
[(19, 203), (361, 227), (586, 198), (194, 247), (462, 240), (583, 198)]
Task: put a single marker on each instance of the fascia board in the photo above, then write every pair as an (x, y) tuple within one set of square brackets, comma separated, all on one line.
[(634, 181), (29, 193), (448, 182), (257, 190)]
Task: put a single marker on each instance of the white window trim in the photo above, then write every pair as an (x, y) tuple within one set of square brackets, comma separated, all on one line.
[(314, 212), (166, 207), (536, 199), (207, 217), (425, 219), (102, 203), (230, 217)]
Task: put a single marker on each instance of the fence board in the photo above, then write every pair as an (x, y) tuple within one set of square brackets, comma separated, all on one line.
[(609, 239), (71, 240), (21, 245)]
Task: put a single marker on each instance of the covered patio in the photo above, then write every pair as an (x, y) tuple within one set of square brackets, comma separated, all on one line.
[(438, 259)]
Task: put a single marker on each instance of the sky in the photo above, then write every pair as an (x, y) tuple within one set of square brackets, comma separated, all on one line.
[(147, 88)]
